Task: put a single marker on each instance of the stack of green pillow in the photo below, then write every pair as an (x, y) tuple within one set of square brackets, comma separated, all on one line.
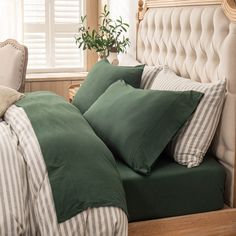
[(135, 124)]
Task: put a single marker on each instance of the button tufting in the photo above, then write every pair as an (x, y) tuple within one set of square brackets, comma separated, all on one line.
[(193, 55), (208, 37), (185, 38)]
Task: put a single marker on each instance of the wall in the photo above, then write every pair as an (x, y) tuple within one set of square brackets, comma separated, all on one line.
[(127, 9)]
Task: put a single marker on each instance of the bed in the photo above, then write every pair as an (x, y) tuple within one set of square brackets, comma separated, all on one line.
[(196, 39), (28, 203)]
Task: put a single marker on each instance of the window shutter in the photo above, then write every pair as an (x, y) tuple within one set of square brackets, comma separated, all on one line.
[(67, 11), (34, 11), (36, 43), (35, 32), (67, 16), (49, 29), (66, 52)]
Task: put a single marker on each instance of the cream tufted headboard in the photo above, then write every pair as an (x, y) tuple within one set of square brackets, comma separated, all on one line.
[(197, 39)]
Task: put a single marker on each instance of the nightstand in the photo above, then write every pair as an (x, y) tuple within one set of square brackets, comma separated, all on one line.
[(72, 90)]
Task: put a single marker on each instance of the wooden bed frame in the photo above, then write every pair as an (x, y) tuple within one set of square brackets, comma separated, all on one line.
[(222, 222)]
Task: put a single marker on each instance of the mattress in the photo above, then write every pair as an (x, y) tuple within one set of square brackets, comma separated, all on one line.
[(172, 189)]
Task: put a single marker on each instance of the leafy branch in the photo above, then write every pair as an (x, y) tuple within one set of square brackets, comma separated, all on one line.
[(108, 38)]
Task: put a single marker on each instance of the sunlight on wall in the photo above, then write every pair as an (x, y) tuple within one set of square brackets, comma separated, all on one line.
[(10, 18), (127, 9)]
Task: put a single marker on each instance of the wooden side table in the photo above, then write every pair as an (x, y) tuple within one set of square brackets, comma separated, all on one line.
[(72, 90)]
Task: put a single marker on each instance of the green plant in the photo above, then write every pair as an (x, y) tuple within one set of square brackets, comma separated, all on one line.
[(108, 38)]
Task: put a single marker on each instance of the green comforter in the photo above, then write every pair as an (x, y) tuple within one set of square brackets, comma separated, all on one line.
[(81, 169)]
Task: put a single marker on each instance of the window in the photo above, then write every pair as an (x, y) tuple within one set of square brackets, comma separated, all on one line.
[(49, 29)]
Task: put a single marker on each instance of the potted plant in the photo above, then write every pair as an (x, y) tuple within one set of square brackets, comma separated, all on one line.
[(107, 40)]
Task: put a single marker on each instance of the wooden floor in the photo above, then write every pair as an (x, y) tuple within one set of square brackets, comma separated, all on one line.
[(218, 223)]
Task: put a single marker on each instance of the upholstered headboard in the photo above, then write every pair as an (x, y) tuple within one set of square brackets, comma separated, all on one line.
[(14, 59), (197, 39)]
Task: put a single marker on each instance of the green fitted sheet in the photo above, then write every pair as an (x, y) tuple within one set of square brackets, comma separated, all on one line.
[(172, 189)]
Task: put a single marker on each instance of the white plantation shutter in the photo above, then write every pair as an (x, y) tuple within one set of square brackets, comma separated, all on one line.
[(36, 43), (67, 11), (49, 29), (34, 11)]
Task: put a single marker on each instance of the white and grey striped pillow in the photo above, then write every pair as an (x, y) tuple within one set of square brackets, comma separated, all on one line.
[(149, 72), (149, 75), (192, 142)]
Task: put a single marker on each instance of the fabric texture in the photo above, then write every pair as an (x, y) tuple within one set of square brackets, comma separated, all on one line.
[(149, 75), (13, 67), (102, 75), (193, 140), (137, 124), (81, 169), (197, 42), (26, 202), (149, 72), (8, 97), (172, 189)]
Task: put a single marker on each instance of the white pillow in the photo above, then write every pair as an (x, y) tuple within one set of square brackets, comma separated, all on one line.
[(8, 97), (149, 72), (149, 75), (192, 142)]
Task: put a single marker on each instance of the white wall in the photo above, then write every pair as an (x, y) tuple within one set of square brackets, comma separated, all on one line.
[(10, 19), (127, 9)]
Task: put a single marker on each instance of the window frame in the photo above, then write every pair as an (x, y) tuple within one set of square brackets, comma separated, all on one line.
[(90, 8)]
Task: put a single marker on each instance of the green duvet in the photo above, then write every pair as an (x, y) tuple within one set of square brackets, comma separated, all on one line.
[(81, 169)]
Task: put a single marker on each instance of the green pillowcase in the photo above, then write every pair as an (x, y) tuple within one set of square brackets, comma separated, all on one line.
[(102, 75), (137, 124)]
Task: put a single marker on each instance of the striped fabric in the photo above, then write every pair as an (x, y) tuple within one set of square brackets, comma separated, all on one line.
[(148, 76), (26, 202), (14, 210), (149, 72), (192, 142)]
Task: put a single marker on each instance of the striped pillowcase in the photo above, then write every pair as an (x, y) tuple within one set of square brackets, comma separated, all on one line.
[(193, 140), (148, 76), (149, 72)]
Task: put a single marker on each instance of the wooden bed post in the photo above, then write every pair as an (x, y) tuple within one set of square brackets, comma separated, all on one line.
[(140, 10), (140, 7)]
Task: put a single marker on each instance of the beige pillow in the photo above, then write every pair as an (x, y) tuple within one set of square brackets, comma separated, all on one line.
[(8, 97)]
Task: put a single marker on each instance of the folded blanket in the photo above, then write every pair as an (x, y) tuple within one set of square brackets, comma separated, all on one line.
[(81, 169), (26, 201)]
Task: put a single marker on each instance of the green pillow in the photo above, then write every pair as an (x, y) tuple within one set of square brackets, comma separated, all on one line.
[(102, 75), (137, 124)]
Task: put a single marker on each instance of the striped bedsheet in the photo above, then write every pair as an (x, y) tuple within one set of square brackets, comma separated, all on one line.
[(26, 202)]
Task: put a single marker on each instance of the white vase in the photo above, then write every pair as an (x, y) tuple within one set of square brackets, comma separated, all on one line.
[(112, 58)]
